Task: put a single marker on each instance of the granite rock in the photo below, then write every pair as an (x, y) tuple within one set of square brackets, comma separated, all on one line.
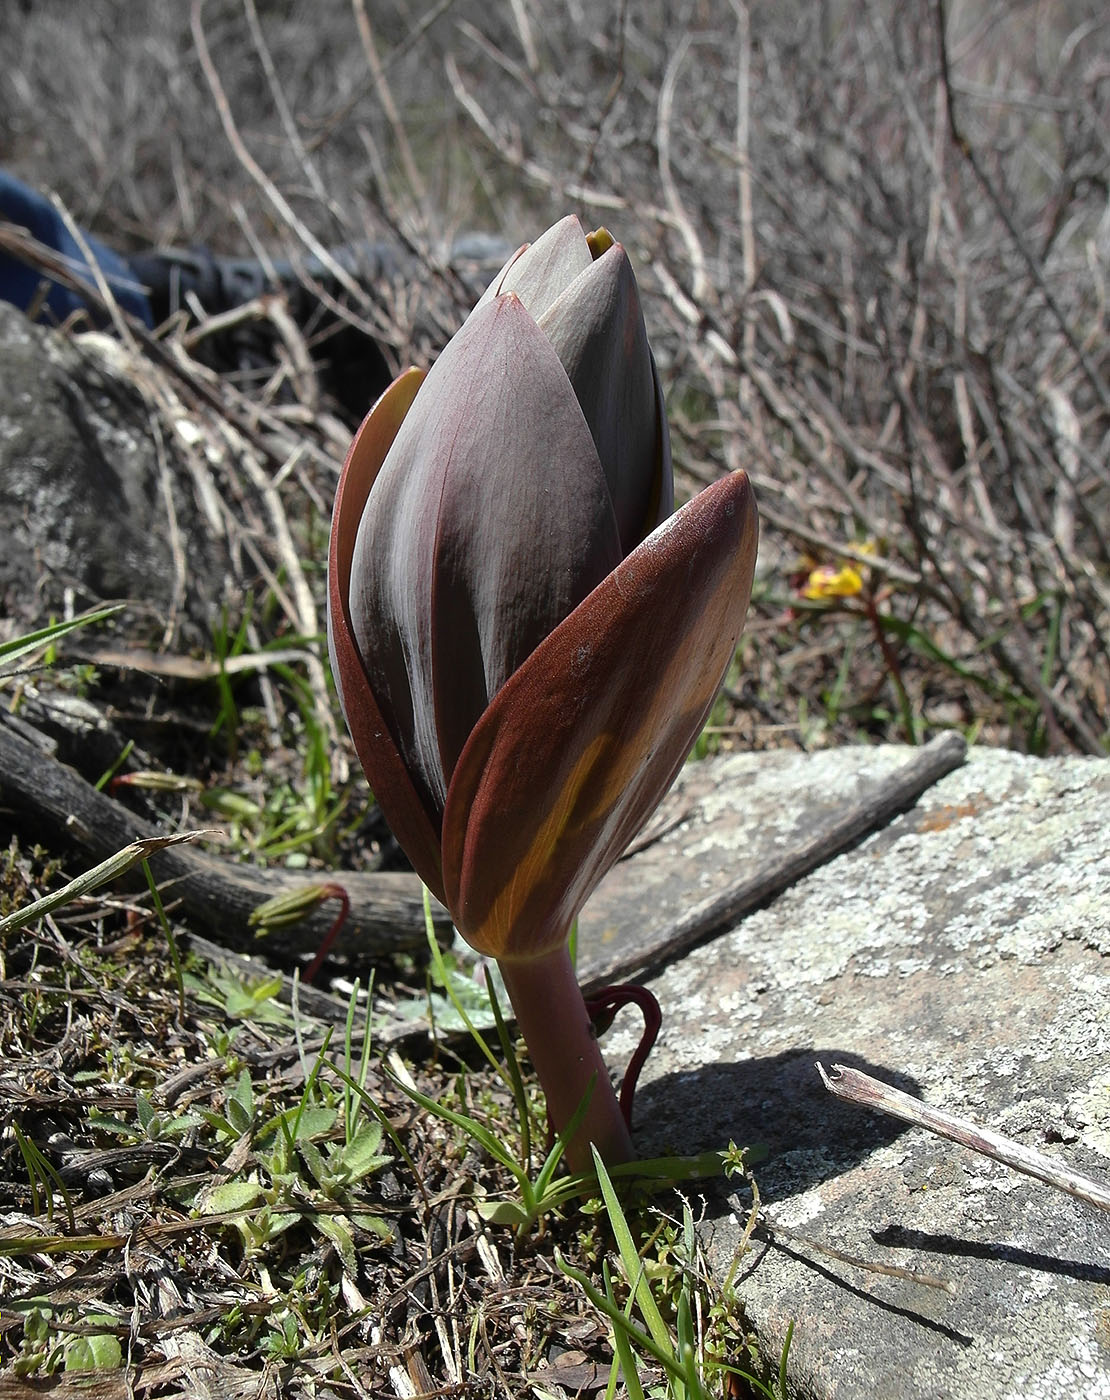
[(959, 953), (97, 502)]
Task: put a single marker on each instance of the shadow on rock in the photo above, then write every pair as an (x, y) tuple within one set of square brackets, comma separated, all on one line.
[(778, 1102), (924, 1241)]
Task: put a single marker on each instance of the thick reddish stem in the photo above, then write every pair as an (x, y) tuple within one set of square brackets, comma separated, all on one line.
[(563, 1045)]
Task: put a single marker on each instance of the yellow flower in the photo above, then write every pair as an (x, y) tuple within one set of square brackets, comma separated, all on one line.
[(829, 582)]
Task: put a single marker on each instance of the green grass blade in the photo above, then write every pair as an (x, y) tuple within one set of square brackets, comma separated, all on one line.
[(110, 772), (350, 1102), (687, 1348), (444, 975), (493, 1145), (783, 1359), (39, 1168), (664, 1353), (512, 1065), (622, 1347), (32, 641), (171, 941), (922, 643), (348, 1031), (390, 1131), (630, 1257), (109, 869), (310, 1082), (559, 1146)]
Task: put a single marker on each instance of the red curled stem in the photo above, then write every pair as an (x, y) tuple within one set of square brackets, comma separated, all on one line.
[(603, 1007), (329, 892)]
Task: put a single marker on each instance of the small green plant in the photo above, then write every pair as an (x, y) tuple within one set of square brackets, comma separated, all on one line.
[(42, 1178), (642, 1335), (238, 998), (151, 1123), (53, 1343), (42, 1351), (296, 1172), (282, 1341), (547, 1188), (97, 1351), (228, 643)]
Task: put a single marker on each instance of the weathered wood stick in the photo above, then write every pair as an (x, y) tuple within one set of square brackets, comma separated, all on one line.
[(387, 909), (853, 1086)]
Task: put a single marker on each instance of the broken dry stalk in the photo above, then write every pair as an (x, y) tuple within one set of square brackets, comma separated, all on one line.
[(853, 1086)]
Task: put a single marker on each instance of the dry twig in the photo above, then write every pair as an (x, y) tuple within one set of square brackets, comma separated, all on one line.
[(853, 1086)]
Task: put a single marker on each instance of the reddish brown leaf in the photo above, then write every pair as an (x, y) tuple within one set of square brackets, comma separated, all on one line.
[(580, 745)]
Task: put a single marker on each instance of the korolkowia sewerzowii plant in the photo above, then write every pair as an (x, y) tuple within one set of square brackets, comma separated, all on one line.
[(525, 640)]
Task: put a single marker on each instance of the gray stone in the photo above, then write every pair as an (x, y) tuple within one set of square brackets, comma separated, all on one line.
[(732, 834), (84, 491), (959, 953)]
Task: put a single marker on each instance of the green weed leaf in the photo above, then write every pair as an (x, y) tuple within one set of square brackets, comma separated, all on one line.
[(231, 1196), (336, 1229), (99, 1353), (240, 1104), (361, 1155)]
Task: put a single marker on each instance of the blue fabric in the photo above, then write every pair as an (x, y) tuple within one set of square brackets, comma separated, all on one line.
[(22, 205)]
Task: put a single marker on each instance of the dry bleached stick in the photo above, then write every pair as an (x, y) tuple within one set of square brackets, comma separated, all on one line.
[(853, 1086)]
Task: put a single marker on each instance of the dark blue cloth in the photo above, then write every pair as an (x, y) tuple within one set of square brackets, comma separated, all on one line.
[(20, 204)]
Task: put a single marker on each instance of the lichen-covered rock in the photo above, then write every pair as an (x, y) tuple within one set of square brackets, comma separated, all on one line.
[(961, 953)]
